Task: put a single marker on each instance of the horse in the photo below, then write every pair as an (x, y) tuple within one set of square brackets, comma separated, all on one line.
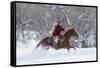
[(65, 44)]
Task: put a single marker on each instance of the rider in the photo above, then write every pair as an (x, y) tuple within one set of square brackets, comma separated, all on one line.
[(56, 31)]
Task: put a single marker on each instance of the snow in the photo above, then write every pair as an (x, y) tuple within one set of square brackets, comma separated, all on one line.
[(27, 54)]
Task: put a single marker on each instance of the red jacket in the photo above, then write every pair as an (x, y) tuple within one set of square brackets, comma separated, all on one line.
[(57, 30)]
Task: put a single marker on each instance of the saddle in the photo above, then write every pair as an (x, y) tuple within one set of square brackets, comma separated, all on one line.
[(51, 39)]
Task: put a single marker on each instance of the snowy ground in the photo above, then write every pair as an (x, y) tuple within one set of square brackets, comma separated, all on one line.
[(27, 54)]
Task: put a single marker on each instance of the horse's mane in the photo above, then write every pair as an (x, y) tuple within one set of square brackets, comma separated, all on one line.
[(68, 31)]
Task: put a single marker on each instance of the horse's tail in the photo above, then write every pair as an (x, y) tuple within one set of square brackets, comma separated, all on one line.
[(38, 44)]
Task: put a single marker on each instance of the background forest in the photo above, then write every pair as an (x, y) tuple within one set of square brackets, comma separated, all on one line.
[(34, 21)]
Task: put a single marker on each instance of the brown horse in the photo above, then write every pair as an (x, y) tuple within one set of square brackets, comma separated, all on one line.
[(65, 44)]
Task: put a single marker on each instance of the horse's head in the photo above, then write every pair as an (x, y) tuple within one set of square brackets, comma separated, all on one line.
[(71, 32), (74, 33)]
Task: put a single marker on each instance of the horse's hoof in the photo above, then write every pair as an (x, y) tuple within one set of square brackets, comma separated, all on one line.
[(68, 49)]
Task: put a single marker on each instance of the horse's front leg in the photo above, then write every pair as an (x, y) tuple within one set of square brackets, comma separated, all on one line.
[(68, 49), (73, 47)]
